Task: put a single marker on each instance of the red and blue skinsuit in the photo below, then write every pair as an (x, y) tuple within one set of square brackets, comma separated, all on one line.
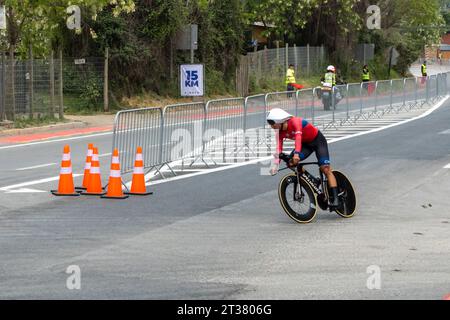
[(298, 129)]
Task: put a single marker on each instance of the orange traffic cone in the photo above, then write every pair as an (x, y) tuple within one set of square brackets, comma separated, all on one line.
[(115, 181), (138, 181), (65, 186), (94, 187), (87, 167)]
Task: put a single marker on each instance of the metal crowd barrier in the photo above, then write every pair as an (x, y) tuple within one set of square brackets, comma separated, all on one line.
[(197, 131), (183, 131), (138, 128), (224, 127)]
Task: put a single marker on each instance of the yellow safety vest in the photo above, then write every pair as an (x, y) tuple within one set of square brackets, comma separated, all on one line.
[(366, 75), (330, 79), (290, 76), (424, 70)]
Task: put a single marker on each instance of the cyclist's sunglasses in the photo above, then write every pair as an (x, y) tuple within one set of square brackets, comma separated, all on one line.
[(271, 122)]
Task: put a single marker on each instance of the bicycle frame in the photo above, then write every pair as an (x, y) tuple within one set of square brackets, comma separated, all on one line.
[(319, 185)]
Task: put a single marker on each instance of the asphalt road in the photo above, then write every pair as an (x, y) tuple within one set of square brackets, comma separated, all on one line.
[(223, 235)]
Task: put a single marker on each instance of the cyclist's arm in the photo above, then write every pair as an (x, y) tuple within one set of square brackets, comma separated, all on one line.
[(279, 139), (297, 128)]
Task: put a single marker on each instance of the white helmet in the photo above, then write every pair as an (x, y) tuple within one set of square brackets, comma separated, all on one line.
[(278, 115), (331, 68)]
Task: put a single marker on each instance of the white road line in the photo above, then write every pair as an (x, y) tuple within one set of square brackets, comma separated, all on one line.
[(182, 170), (54, 163), (105, 155), (25, 190), (428, 112), (445, 132), (30, 183), (38, 166), (447, 166), (206, 171)]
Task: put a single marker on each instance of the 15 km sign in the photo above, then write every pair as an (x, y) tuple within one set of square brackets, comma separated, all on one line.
[(192, 80)]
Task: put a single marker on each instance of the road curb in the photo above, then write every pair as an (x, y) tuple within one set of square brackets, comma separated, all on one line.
[(43, 129)]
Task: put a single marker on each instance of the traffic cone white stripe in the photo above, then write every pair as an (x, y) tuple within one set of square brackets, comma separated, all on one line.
[(114, 173), (95, 170), (139, 157), (87, 166), (138, 170), (66, 157), (94, 157), (89, 153), (115, 160), (66, 170)]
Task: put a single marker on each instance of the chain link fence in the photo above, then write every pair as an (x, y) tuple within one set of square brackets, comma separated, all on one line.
[(83, 83), (270, 65), (38, 88), (30, 88)]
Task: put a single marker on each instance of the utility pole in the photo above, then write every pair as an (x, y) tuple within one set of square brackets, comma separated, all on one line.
[(391, 51)]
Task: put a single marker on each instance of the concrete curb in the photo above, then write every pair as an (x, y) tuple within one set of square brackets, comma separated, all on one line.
[(43, 129)]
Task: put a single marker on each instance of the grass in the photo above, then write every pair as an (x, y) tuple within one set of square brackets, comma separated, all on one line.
[(37, 122), (73, 104)]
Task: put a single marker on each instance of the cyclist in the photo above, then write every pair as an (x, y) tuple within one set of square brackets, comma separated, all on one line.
[(308, 139)]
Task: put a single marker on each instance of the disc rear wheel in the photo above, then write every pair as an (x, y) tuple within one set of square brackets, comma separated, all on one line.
[(346, 194)]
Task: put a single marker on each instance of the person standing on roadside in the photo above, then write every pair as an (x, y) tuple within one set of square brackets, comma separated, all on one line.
[(423, 69), (290, 79), (365, 76)]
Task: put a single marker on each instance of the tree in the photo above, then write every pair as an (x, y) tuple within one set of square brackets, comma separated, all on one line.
[(315, 22), (407, 25), (38, 23)]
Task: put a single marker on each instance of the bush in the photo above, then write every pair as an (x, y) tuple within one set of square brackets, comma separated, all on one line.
[(91, 96)]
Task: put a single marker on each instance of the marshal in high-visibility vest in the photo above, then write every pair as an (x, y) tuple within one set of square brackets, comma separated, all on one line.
[(329, 80), (365, 77), (290, 75), (424, 69)]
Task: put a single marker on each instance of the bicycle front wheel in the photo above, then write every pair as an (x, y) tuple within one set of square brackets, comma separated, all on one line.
[(297, 199), (347, 196)]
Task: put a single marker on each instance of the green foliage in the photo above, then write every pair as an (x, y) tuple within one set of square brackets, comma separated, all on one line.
[(379, 69), (408, 25), (141, 36), (37, 23), (220, 34), (311, 21), (92, 94)]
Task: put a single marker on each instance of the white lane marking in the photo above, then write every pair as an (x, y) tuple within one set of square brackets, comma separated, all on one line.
[(25, 190), (38, 166), (447, 166), (151, 183), (54, 163), (57, 140), (105, 155), (30, 183), (428, 112), (179, 170), (445, 132)]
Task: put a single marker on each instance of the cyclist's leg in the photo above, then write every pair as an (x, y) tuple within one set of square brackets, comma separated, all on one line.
[(323, 157)]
